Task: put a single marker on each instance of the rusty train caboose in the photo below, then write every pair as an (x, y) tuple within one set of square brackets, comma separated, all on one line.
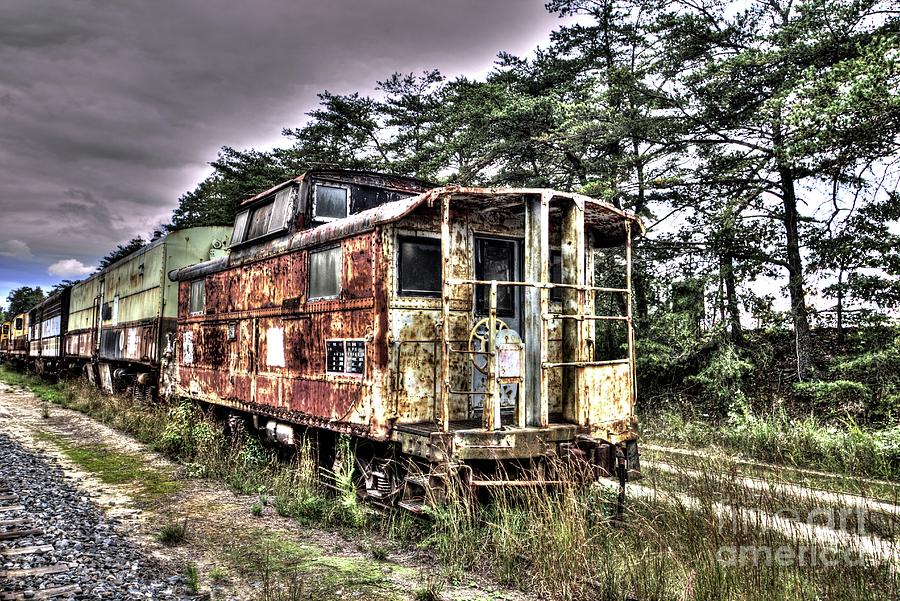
[(448, 329)]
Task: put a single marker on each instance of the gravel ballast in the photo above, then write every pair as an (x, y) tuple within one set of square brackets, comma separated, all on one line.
[(101, 561)]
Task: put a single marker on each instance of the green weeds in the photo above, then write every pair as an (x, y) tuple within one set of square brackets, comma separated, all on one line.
[(173, 533), (114, 467)]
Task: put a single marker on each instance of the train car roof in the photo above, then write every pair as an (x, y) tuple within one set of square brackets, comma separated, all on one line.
[(396, 182), (602, 216)]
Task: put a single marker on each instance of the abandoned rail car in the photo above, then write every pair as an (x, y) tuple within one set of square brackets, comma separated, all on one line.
[(451, 330), (119, 319), (17, 345), (46, 332)]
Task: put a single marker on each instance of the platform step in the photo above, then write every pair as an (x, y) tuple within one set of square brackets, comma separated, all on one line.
[(413, 505)]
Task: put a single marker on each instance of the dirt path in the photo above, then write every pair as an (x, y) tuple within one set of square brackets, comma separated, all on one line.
[(233, 554)]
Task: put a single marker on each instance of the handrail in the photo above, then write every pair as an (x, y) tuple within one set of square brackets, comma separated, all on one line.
[(550, 365), (544, 285), (584, 317)]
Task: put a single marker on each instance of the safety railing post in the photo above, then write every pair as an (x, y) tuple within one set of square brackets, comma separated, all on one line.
[(630, 320), (491, 406), (445, 313)]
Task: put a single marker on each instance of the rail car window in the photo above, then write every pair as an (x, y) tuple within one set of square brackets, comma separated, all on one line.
[(495, 260), (240, 227), (259, 221), (556, 294), (198, 297), (18, 323), (325, 273), (267, 218), (420, 266), (330, 202)]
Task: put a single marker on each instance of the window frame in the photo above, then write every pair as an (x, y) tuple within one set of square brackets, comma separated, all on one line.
[(243, 222), (315, 197), (401, 238), (202, 310), (481, 293), (340, 273), (556, 294), (252, 219), (242, 218)]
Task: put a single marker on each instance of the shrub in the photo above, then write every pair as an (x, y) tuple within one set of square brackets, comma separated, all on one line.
[(718, 384), (835, 398)]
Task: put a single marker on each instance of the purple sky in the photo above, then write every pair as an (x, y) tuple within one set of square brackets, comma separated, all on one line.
[(109, 111)]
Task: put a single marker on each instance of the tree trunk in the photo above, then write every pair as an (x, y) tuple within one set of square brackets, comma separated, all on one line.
[(802, 335), (840, 305), (734, 313)]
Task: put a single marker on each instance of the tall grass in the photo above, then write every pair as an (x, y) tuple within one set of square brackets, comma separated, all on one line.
[(565, 544), (562, 544), (844, 447)]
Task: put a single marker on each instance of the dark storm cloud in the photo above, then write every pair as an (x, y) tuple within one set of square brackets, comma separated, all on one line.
[(110, 110)]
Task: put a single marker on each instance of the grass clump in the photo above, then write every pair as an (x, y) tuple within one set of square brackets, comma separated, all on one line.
[(378, 552), (192, 578), (431, 590), (843, 446), (218, 575), (173, 533)]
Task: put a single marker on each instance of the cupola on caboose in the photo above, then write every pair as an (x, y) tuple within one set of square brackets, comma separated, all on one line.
[(448, 330)]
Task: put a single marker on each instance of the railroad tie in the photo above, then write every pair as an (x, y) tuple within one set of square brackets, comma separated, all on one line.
[(36, 550), (13, 534), (13, 530), (47, 593)]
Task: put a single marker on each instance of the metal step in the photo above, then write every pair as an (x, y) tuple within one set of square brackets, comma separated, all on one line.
[(413, 505)]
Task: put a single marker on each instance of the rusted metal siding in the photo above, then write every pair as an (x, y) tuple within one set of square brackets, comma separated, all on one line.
[(276, 357), (260, 344), (610, 407)]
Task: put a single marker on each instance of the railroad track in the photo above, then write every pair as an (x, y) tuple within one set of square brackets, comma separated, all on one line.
[(20, 540), (697, 453)]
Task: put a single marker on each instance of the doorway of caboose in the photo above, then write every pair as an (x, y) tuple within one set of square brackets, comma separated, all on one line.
[(501, 259)]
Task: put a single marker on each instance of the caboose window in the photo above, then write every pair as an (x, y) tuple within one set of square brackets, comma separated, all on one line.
[(556, 294), (240, 227), (198, 297), (259, 221), (267, 218), (495, 260), (420, 266), (325, 273), (330, 202)]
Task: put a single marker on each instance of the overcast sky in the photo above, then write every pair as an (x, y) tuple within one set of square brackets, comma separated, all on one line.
[(109, 111)]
